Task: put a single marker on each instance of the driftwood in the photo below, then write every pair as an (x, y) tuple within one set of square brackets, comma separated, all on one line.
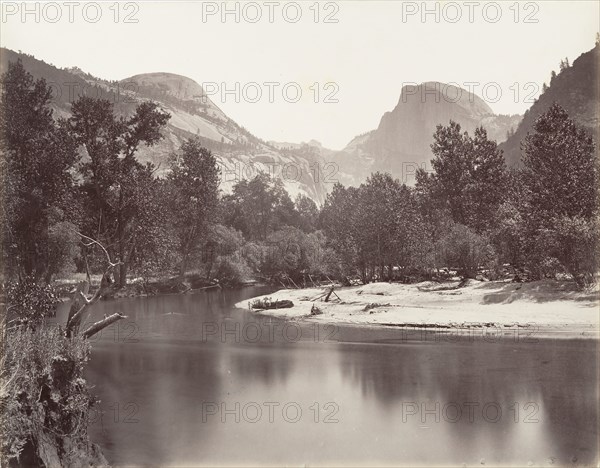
[(217, 285), (330, 293), (282, 304), (326, 295), (102, 324), (268, 304)]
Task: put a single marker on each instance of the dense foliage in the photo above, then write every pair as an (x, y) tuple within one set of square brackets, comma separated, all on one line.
[(36, 185), (469, 214), (45, 399)]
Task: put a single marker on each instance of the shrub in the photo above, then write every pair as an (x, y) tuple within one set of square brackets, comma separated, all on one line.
[(30, 302), (464, 249), (231, 269), (63, 247), (45, 399), (260, 303), (575, 247)]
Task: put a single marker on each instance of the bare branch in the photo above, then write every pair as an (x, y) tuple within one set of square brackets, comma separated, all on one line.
[(102, 324), (105, 285), (94, 241), (87, 267), (84, 297)]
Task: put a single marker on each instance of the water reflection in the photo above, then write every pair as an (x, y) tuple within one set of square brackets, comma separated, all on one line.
[(502, 402), (174, 394)]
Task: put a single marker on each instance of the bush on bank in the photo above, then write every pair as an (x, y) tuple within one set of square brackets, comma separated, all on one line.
[(45, 401)]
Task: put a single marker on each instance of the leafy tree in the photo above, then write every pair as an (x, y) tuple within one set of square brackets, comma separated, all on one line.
[(574, 242), (561, 182), (156, 250), (286, 253), (308, 213), (29, 302), (508, 235), (291, 253), (561, 170), (193, 189), (464, 249), (376, 227), (117, 188), (337, 218), (435, 215), (469, 178), (258, 207), (221, 242), (284, 210), (38, 155), (63, 248)]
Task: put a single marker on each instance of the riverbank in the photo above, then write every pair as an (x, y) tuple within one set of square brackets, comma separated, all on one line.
[(547, 308), (158, 286)]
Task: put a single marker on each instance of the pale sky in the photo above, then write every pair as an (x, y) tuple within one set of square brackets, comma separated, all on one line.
[(367, 55)]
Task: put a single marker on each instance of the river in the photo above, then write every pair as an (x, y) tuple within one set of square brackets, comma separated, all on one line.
[(189, 380)]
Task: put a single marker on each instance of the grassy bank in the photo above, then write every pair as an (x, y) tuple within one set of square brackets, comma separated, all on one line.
[(45, 400)]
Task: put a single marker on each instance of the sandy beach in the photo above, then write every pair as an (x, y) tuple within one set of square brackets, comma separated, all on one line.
[(547, 308)]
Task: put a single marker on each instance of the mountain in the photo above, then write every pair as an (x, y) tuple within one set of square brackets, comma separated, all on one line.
[(290, 145), (400, 144), (576, 89), (402, 141), (240, 154)]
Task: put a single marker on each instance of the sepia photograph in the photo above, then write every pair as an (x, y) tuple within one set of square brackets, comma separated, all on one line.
[(312, 233)]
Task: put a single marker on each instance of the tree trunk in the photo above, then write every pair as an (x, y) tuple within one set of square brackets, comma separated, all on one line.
[(209, 270), (48, 276), (211, 262), (122, 275), (76, 304), (183, 267)]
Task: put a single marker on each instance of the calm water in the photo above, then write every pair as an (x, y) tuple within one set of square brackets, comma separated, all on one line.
[(188, 380)]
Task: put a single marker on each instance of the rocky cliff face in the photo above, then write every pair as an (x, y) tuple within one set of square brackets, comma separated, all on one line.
[(240, 154), (402, 141), (577, 90)]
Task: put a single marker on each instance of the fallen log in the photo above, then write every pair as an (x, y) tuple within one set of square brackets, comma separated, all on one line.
[(282, 304), (268, 304), (102, 324), (216, 285)]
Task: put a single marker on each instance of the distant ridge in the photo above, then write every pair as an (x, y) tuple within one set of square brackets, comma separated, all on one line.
[(240, 153), (576, 89)]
